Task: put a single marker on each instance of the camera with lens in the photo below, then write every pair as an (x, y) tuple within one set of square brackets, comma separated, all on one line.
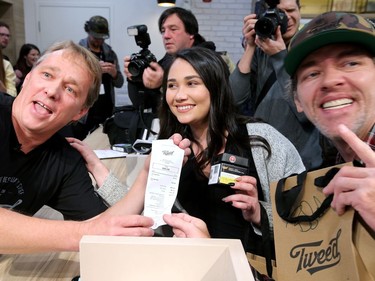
[(140, 61), (269, 18)]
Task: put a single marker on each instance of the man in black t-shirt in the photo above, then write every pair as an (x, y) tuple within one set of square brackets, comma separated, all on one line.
[(38, 167)]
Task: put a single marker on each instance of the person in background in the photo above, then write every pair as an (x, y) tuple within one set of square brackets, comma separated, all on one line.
[(260, 79), (29, 54), (4, 37), (7, 77), (38, 167), (97, 29), (180, 30), (197, 104)]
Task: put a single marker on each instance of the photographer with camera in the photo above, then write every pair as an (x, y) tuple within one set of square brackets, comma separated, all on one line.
[(97, 31), (259, 79), (179, 30)]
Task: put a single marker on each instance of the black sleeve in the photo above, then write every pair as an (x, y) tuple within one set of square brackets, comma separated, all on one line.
[(143, 97), (76, 198)]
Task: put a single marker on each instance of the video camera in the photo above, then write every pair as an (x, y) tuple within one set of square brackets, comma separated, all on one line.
[(140, 61), (269, 18)]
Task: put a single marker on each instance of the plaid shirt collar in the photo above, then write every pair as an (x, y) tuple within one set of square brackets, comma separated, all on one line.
[(370, 140)]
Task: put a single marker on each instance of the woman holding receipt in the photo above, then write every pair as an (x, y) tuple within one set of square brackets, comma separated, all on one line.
[(197, 104)]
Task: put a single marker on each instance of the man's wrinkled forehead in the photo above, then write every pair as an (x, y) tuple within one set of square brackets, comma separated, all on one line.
[(59, 54)]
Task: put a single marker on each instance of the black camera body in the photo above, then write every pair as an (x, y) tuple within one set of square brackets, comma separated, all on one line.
[(269, 19), (140, 61)]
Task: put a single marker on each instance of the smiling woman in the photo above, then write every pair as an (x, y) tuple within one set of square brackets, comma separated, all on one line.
[(197, 103)]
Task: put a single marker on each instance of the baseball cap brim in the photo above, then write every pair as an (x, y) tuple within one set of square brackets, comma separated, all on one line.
[(99, 35), (299, 53), (326, 29)]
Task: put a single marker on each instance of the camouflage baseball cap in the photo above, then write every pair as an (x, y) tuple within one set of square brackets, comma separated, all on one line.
[(97, 27), (325, 29)]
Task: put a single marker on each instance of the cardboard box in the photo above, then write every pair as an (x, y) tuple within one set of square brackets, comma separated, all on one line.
[(158, 258), (226, 167)]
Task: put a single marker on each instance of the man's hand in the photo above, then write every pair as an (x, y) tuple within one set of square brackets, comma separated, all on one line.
[(153, 76), (186, 226), (130, 225), (248, 30), (355, 186), (271, 46), (109, 68), (126, 67)]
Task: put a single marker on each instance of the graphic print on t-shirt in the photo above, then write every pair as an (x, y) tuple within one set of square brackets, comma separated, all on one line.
[(11, 192)]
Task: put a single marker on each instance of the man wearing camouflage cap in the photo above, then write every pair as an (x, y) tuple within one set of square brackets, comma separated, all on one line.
[(332, 65), (97, 30)]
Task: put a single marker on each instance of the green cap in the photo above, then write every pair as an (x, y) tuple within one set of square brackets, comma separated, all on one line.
[(97, 27), (325, 29)]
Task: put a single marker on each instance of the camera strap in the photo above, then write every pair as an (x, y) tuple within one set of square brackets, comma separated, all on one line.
[(269, 82)]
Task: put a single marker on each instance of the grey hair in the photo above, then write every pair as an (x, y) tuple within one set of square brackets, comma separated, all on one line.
[(92, 64)]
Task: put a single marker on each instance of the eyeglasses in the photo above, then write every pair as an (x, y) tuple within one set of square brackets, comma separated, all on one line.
[(4, 35)]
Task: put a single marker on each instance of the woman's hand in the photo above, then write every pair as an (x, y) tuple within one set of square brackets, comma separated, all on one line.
[(94, 165), (183, 144), (246, 198), (186, 226)]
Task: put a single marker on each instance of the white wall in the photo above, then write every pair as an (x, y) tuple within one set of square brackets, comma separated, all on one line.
[(220, 21), (123, 13)]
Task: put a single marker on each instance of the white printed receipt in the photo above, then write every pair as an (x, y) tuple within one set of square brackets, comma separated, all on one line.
[(163, 179)]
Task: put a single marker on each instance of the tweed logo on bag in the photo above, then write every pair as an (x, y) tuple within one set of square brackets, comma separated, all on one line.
[(314, 258)]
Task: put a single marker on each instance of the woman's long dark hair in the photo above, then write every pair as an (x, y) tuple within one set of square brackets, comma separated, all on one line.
[(21, 61), (223, 117)]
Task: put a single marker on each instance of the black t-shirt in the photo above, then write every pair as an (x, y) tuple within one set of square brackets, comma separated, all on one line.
[(52, 174)]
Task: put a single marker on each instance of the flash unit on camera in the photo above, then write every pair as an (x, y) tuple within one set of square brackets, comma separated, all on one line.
[(226, 167), (132, 31), (135, 30)]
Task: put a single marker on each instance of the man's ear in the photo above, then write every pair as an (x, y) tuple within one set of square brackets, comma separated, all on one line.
[(79, 115), (298, 104)]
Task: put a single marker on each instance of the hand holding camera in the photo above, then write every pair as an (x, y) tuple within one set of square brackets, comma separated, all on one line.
[(138, 62), (265, 27), (248, 30), (108, 67), (269, 18)]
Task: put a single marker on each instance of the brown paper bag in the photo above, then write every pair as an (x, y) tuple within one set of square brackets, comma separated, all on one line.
[(312, 242), (259, 263)]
